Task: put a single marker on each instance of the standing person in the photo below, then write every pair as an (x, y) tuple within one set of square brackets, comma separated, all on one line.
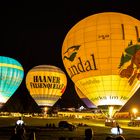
[(32, 135), (118, 129), (20, 125), (20, 122), (20, 132), (88, 134), (120, 138), (109, 138), (19, 135)]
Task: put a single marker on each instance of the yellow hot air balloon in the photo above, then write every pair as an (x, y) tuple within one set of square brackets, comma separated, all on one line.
[(86, 101), (101, 55), (46, 84)]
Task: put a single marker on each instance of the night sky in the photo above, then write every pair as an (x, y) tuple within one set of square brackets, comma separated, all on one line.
[(33, 32)]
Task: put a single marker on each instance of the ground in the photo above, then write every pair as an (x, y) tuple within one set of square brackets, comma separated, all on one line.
[(100, 132)]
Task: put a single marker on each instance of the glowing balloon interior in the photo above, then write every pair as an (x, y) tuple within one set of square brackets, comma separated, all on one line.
[(46, 84), (86, 101), (101, 54), (11, 75)]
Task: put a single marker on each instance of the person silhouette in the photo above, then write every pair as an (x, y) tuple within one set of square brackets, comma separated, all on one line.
[(19, 135), (109, 138), (120, 138), (118, 129)]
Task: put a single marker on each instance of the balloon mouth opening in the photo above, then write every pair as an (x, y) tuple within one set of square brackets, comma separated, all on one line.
[(109, 110), (45, 106), (107, 106)]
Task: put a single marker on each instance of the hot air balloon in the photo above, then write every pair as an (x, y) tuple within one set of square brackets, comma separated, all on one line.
[(46, 84), (11, 76), (101, 54), (86, 101)]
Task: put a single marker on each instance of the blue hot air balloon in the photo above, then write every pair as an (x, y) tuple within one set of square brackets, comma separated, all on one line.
[(11, 76)]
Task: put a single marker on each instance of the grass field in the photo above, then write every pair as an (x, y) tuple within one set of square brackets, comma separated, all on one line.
[(43, 133)]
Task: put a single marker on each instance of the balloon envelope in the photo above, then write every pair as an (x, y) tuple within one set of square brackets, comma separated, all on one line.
[(86, 101), (11, 75), (46, 84), (98, 59)]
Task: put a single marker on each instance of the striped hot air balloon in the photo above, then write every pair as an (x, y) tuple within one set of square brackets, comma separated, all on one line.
[(46, 84), (11, 76)]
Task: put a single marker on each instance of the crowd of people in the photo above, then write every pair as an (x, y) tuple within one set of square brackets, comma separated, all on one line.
[(20, 133)]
